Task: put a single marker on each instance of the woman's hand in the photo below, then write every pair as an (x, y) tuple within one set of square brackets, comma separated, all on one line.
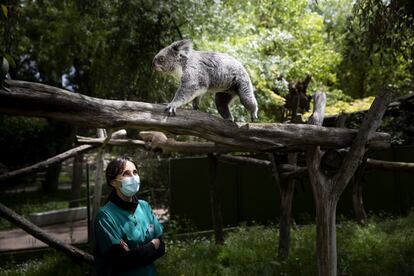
[(124, 245), (156, 243)]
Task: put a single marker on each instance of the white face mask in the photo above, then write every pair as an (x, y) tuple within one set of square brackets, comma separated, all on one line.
[(130, 185)]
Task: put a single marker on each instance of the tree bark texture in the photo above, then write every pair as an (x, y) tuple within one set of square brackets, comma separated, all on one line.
[(287, 187), (357, 200), (33, 99), (99, 180), (328, 189), (74, 253), (390, 165), (99, 177), (159, 142), (326, 253)]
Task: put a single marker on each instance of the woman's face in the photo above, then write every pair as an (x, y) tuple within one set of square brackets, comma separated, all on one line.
[(128, 171)]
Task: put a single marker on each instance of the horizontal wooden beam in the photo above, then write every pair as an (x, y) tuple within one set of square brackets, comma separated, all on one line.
[(34, 99), (390, 165)]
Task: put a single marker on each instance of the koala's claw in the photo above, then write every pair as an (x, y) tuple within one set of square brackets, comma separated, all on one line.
[(170, 110)]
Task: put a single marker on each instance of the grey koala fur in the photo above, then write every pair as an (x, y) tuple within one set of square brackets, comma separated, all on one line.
[(200, 72)]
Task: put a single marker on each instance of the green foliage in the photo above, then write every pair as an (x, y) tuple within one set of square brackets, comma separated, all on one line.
[(22, 140), (25, 203), (399, 127), (271, 38), (377, 49), (52, 264), (102, 48), (382, 247)]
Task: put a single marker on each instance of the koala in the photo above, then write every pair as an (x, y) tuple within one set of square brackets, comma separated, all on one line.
[(201, 72)]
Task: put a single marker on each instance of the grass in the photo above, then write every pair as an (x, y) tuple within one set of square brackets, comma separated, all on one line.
[(25, 203), (385, 246)]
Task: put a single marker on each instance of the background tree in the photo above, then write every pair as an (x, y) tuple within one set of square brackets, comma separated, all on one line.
[(378, 48)]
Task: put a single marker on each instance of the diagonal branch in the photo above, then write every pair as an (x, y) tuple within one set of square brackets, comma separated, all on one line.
[(44, 164), (34, 230), (371, 122)]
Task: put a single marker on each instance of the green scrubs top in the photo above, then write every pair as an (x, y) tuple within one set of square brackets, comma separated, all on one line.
[(136, 229)]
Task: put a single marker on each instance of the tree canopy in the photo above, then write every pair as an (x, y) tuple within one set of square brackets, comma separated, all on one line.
[(105, 48)]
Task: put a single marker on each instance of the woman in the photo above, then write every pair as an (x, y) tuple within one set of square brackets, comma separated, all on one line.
[(128, 237)]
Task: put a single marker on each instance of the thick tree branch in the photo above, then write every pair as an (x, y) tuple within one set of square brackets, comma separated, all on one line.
[(33, 99), (244, 160), (390, 165), (159, 142), (353, 158)]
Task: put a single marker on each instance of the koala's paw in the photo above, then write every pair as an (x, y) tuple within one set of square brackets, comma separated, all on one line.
[(170, 110)]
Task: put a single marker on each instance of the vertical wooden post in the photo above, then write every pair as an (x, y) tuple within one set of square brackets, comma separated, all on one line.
[(287, 187), (215, 201), (99, 179), (328, 189), (88, 206), (76, 180), (357, 200)]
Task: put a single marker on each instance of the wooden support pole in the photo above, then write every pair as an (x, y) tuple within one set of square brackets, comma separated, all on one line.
[(215, 201), (287, 188), (357, 200), (99, 179), (77, 173), (328, 189), (74, 253)]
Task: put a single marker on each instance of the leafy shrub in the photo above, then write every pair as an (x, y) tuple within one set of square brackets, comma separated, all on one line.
[(51, 264), (381, 247)]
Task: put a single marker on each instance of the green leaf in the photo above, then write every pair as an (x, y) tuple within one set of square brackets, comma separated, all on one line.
[(4, 9)]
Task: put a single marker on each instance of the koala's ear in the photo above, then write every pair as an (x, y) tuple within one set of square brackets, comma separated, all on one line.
[(182, 46)]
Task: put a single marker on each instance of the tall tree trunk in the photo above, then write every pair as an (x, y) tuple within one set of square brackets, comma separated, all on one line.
[(77, 177), (328, 189), (326, 236), (287, 186), (286, 196)]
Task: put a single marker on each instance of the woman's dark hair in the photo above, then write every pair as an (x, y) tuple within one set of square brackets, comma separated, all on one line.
[(115, 167)]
